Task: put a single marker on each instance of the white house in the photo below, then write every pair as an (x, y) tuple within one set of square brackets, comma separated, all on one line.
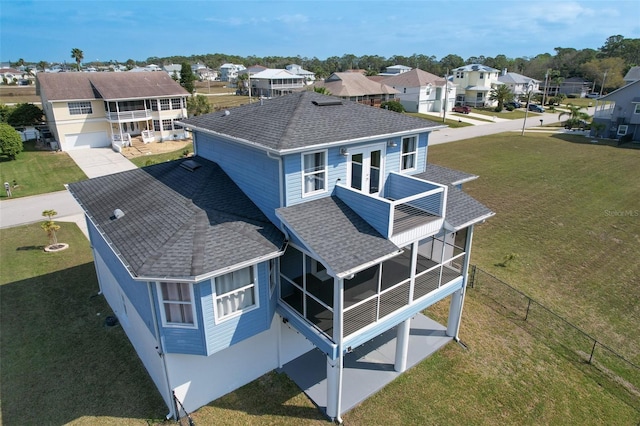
[(519, 84), (229, 72), (309, 76), (395, 70), (420, 91)]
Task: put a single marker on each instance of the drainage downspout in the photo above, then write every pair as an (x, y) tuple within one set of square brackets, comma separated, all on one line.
[(280, 186), (160, 349)]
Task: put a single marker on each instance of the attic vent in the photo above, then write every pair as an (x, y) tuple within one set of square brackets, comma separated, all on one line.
[(190, 165), (117, 214), (327, 103)]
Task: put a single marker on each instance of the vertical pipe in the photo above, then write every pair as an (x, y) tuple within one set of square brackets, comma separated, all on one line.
[(402, 345)]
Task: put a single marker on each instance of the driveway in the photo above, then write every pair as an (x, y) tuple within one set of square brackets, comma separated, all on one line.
[(96, 162)]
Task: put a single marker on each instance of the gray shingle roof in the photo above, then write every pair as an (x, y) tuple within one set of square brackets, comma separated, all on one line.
[(294, 121), (177, 223), (444, 175), (334, 232), (107, 85), (463, 210)]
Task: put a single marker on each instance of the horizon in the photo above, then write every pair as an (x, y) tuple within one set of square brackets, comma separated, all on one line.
[(141, 29)]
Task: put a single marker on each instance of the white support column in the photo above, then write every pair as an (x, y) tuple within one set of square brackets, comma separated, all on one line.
[(457, 299), (334, 366), (402, 345)]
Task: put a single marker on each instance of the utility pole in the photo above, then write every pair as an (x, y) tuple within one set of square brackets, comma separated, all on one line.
[(546, 80), (446, 96)]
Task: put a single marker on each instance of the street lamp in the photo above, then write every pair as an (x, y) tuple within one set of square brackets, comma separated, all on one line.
[(526, 111)]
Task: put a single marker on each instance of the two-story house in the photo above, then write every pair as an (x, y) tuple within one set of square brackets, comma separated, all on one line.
[(305, 229), (475, 83), (619, 113), (272, 82), (520, 85), (229, 72), (422, 92), (86, 110)]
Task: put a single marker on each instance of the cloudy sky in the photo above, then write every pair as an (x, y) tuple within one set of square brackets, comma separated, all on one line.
[(138, 29)]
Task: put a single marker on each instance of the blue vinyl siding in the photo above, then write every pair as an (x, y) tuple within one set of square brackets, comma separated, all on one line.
[(135, 291), (254, 173), (336, 169), (181, 340), (233, 330), (374, 210)]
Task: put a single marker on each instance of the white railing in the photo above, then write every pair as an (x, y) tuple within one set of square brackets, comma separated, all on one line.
[(148, 136), (128, 115)]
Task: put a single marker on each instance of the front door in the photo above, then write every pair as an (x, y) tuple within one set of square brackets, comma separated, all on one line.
[(366, 169)]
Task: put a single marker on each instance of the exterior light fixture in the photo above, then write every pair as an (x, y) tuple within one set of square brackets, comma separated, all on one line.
[(391, 143), (344, 152)]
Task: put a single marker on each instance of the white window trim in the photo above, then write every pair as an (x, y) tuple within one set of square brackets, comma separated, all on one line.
[(256, 297), (83, 107), (326, 173), (637, 109), (622, 129), (415, 152), (273, 267), (167, 324)]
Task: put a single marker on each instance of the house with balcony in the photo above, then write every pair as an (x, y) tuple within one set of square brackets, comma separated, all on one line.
[(307, 235), (619, 113), (271, 82), (354, 86), (309, 76), (475, 83), (85, 110), (229, 72), (422, 92)]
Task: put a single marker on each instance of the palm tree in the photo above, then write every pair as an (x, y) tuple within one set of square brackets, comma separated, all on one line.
[(502, 94), (576, 115), (42, 65), (322, 90), (78, 56), (50, 226)]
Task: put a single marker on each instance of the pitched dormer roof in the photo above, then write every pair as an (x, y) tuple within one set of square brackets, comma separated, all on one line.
[(307, 119)]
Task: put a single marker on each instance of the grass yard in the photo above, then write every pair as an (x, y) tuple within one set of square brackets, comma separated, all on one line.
[(38, 171), (60, 363), (448, 121), (510, 115), (18, 94), (569, 211), (147, 160)]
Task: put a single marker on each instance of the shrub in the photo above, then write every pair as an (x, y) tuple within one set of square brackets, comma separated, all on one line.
[(509, 107), (392, 106), (10, 141)]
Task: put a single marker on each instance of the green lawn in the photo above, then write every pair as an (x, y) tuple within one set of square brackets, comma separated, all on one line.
[(60, 363), (560, 206), (38, 171), (448, 121), (510, 115)]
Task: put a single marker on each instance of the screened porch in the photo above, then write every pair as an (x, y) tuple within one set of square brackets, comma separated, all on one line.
[(374, 293)]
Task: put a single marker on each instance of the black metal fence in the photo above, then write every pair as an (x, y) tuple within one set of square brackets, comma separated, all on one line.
[(182, 416), (608, 367)]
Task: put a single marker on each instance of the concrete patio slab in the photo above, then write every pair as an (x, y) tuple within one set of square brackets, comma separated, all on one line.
[(369, 367), (96, 162)]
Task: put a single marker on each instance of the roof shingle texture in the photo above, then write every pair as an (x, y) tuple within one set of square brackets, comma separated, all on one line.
[(414, 78), (177, 223), (107, 85), (294, 121), (337, 234)]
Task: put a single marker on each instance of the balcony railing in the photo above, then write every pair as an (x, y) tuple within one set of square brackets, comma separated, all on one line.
[(410, 208), (128, 115)]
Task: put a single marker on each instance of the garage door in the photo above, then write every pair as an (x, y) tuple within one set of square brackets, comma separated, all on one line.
[(85, 140)]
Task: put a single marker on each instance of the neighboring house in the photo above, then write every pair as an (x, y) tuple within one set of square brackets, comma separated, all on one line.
[(395, 70), (12, 76), (420, 91), (147, 68), (272, 82), (85, 110), (304, 227), (204, 73), (475, 83), (632, 75), (574, 86), (519, 84), (173, 70), (354, 86), (619, 112), (309, 77), (229, 72)]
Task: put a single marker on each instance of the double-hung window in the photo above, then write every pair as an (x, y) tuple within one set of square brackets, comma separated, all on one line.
[(176, 103), (166, 124), (409, 153), (236, 292), (177, 304), (314, 172), (637, 109), (78, 108), (165, 105)]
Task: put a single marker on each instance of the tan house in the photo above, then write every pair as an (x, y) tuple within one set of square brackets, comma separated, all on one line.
[(356, 87), (422, 92), (86, 110)]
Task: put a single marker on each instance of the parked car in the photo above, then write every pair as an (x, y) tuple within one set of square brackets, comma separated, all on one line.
[(535, 108), (514, 104), (592, 95), (462, 109)]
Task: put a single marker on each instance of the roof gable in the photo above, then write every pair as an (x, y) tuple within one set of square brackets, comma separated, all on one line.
[(298, 121), (414, 78)]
